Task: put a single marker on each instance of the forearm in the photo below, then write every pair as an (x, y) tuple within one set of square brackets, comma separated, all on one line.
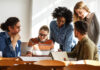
[(14, 43)]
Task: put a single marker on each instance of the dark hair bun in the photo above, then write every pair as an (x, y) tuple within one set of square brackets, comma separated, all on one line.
[(11, 21), (3, 27)]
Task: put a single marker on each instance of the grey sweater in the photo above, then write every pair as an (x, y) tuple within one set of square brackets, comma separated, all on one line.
[(93, 27)]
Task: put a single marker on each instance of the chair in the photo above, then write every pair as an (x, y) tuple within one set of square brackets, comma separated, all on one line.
[(24, 46)]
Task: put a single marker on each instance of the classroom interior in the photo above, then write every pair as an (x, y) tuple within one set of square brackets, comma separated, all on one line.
[(33, 14)]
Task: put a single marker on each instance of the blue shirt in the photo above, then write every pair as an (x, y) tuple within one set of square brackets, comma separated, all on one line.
[(64, 36), (6, 46)]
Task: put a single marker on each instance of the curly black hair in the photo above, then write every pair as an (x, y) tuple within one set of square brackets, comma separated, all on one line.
[(81, 26), (63, 12)]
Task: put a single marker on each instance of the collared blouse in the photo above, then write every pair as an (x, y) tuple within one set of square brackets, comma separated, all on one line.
[(6, 46), (64, 35)]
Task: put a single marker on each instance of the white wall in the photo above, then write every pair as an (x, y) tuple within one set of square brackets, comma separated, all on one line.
[(42, 9), (20, 9), (38, 13)]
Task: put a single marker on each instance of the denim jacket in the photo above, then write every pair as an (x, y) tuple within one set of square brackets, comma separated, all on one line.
[(64, 36), (6, 46)]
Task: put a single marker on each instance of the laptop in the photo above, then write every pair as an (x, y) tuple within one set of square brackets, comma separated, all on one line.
[(61, 56)]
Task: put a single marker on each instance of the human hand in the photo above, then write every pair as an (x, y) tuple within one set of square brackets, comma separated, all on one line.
[(16, 37), (59, 50)]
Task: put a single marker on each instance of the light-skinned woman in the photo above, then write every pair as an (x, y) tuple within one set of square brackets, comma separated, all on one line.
[(82, 12)]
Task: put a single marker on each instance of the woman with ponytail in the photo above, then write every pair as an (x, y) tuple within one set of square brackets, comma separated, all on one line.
[(9, 39)]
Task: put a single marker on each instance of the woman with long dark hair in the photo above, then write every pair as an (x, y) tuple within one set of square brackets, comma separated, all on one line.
[(9, 39)]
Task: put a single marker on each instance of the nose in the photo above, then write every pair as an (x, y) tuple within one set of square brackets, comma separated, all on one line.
[(19, 30), (79, 15)]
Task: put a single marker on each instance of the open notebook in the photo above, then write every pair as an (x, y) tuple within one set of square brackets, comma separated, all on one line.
[(61, 56)]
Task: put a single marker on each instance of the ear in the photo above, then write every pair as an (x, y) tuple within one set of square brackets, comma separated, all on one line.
[(10, 28)]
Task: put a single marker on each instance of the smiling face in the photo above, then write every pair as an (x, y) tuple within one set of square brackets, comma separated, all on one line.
[(15, 29), (61, 21), (43, 35), (82, 13)]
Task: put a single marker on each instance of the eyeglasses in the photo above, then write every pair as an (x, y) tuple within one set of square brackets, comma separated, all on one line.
[(43, 34)]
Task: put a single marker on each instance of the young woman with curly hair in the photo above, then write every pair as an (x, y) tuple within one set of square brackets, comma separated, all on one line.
[(61, 30)]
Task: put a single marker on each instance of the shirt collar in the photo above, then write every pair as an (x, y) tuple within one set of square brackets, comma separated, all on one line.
[(84, 39), (6, 33), (63, 27)]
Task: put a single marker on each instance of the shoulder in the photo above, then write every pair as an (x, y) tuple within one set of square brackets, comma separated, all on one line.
[(70, 27), (53, 23), (35, 40), (92, 15), (88, 44), (48, 42), (3, 35)]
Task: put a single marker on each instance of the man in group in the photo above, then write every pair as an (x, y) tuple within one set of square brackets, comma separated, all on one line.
[(85, 49)]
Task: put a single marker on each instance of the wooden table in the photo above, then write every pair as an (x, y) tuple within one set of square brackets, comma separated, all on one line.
[(5, 63), (18, 64)]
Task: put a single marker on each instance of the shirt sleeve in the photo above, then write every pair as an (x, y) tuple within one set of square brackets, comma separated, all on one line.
[(9, 51), (30, 49), (97, 31), (73, 53), (51, 32), (68, 44), (2, 44), (88, 51)]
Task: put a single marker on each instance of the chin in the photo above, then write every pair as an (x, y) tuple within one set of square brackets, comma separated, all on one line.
[(76, 36), (42, 40), (14, 33)]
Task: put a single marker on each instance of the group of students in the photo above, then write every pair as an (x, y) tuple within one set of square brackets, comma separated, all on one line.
[(62, 31)]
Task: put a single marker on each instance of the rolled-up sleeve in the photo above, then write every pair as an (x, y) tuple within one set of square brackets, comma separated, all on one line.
[(69, 40)]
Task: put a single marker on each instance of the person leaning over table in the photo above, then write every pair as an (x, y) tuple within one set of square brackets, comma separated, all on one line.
[(10, 38), (82, 12), (85, 49), (61, 29), (40, 45)]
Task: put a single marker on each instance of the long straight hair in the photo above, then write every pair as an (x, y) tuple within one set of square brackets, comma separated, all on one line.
[(79, 5)]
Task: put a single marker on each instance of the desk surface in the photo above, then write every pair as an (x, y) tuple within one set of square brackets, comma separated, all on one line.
[(71, 65), (13, 61)]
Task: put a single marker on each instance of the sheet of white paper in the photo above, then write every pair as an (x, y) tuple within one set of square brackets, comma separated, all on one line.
[(35, 58)]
